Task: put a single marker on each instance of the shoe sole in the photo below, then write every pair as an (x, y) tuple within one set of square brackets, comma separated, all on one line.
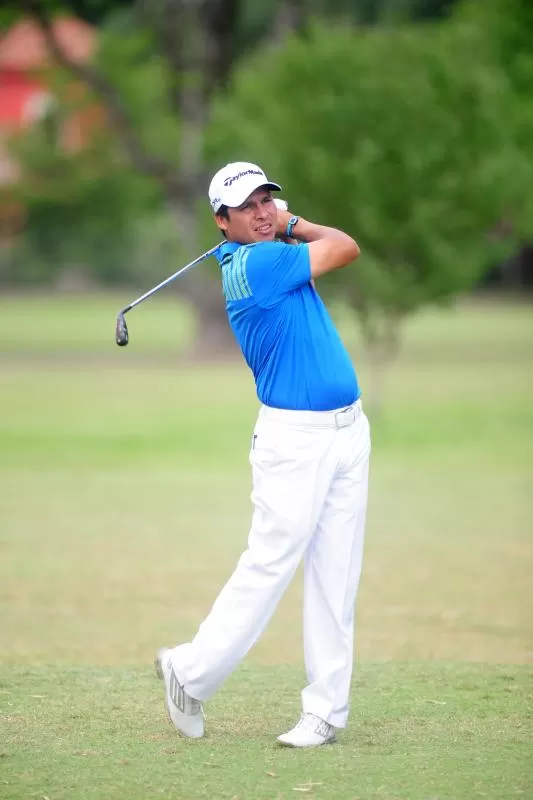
[(307, 746)]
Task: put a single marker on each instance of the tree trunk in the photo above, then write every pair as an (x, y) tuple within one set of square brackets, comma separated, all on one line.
[(382, 345), (214, 338), (290, 17)]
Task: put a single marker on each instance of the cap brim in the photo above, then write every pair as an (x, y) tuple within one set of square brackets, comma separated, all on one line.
[(247, 190), (274, 186)]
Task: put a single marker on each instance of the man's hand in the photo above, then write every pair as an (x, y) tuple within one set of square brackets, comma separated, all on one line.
[(283, 221)]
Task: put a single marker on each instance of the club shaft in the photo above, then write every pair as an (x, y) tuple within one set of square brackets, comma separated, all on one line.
[(172, 278)]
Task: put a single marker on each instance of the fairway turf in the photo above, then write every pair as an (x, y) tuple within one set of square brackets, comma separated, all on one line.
[(124, 505), (417, 732)]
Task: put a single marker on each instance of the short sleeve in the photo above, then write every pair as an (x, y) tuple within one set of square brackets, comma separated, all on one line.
[(274, 269)]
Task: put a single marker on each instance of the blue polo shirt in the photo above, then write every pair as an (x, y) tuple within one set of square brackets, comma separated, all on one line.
[(283, 328)]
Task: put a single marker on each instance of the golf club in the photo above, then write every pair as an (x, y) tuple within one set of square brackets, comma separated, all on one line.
[(121, 329)]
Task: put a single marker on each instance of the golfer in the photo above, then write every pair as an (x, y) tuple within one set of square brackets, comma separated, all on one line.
[(309, 456)]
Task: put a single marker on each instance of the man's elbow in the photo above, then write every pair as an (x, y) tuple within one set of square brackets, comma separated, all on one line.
[(352, 250)]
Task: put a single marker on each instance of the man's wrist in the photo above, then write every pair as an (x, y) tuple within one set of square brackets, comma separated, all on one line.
[(290, 226), (300, 230)]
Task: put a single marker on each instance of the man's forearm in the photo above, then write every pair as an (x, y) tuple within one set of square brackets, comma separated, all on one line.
[(329, 248)]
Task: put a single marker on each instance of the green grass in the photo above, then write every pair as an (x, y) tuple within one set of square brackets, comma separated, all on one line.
[(38, 325), (124, 504), (418, 732)]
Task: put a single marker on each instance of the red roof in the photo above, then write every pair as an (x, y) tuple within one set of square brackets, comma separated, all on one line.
[(22, 99), (24, 46)]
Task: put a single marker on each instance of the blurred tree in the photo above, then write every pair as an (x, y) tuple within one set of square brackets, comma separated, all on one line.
[(92, 11), (399, 136), (191, 46), (508, 31), (82, 211), (255, 16), (506, 28), (182, 52), (162, 64)]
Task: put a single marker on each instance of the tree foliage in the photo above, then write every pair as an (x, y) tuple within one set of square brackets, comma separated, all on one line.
[(505, 30), (399, 136), (82, 211), (410, 136)]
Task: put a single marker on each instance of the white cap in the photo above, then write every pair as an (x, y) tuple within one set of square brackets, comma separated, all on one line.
[(232, 184)]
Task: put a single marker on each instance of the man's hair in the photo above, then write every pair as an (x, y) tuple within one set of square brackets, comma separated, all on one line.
[(224, 213)]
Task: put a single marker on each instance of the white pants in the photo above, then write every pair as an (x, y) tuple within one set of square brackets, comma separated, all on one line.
[(310, 485)]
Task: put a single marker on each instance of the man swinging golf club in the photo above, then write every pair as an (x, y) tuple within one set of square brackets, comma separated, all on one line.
[(309, 455)]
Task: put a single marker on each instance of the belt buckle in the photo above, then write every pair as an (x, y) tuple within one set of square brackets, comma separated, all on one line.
[(345, 417)]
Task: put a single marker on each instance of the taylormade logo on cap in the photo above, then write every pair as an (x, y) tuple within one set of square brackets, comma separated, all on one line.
[(236, 177), (232, 184)]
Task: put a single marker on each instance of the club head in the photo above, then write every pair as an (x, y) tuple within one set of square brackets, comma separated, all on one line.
[(121, 331)]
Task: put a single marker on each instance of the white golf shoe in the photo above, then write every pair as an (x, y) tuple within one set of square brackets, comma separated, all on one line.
[(309, 731), (185, 713)]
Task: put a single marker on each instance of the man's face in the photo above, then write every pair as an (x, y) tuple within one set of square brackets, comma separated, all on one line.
[(253, 221)]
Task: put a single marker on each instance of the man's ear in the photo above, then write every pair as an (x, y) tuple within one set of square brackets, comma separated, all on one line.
[(222, 222)]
